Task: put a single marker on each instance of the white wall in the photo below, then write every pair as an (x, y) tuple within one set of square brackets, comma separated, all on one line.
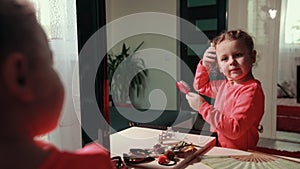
[(116, 9)]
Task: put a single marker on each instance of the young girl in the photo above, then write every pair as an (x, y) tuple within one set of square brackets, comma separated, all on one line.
[(239, 99)]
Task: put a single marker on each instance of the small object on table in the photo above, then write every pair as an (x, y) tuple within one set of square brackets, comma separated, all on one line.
[(186, 151), (158, 149), (170, 137), (166, 135), (183, 149), (183, 87), (170, 154), (164, 160), (137, 155), (135, 159)]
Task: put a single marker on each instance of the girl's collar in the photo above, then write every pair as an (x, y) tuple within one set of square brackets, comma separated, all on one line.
[(233, 83)]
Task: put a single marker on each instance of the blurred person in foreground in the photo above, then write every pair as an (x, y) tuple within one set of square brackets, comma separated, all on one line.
[(32, 96)]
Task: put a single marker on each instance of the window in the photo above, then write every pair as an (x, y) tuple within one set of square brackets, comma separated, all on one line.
[(58, 19), (292, 22)]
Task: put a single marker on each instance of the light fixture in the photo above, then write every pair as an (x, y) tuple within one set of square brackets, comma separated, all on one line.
[(272, 13)]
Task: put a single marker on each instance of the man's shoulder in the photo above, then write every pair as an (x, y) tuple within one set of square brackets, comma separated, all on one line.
[(93, 157)]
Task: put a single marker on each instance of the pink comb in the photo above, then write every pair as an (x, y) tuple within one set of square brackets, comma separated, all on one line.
[(183, 87)]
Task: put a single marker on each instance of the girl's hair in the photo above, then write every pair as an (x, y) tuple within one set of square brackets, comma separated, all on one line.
[(18, 29), (235, 35)]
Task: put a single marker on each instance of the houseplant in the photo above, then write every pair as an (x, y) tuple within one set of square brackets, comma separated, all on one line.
[(121, 68)]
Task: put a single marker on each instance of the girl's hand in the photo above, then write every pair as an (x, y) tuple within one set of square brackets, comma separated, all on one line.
[(195, 100), (209, 56)]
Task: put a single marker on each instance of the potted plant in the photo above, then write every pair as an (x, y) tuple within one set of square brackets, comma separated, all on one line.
[(126, 74)]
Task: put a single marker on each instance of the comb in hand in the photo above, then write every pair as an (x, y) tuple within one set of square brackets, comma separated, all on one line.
[(183, 87)]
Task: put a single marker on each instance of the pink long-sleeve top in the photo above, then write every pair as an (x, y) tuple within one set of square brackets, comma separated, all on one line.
[(237, 110)]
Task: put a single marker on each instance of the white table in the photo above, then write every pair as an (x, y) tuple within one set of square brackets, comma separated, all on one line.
[(138, 137)]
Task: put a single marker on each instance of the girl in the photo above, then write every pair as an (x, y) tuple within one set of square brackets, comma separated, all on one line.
[(239, 99)]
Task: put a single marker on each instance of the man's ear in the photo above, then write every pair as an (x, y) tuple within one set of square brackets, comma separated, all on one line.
[(16, 76)]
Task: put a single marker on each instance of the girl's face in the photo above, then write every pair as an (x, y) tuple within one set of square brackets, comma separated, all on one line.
[(235, 60)]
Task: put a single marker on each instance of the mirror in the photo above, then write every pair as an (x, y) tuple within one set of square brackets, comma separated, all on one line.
[(263, 20), (163, 55)]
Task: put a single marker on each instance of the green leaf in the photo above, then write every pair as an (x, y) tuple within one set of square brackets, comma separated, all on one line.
[(131, 65)]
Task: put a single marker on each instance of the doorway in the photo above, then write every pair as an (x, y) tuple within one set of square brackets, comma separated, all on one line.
[(288, 97), (208, 16)]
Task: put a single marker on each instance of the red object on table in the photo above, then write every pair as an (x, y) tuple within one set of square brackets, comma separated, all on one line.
[(163, 159)]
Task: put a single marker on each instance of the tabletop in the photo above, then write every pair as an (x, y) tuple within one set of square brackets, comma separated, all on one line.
[(139, 137)]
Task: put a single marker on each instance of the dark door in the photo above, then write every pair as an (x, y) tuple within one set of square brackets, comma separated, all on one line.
[(90, 18), (209, 16)]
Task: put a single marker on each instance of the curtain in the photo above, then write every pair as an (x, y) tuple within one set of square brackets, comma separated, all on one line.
[(58, 18), (254, 17), (289, 51)]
